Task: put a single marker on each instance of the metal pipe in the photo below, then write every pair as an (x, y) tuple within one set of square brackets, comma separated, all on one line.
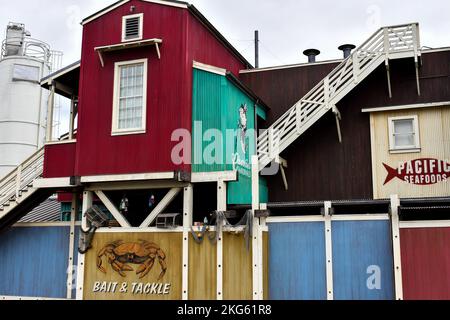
[(256, 49), (311, 54)]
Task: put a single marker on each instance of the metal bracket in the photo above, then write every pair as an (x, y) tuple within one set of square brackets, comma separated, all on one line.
[(262, 213), (338, 116), (97, 219), (388, 73), (283, 164), (416, 62), (327, 212)]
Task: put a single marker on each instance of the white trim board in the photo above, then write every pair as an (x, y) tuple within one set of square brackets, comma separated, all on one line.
[(141, 26), (140, 230), (425, 51), (106, 10), (359, 217), (407, 106), (290, 66), (197, 177), (44, 183), (129, 177), (52, 143), (424, 224), (209, 68)]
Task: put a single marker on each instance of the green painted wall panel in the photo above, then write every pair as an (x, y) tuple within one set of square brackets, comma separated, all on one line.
[(221, 111)]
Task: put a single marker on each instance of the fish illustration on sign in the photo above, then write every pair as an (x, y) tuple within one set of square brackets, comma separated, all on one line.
[(420, 172)]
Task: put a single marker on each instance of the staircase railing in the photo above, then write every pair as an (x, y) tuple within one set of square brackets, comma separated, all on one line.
[(387, 43), (21, 177)]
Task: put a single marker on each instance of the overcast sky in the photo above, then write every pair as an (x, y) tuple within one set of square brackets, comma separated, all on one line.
[(287, 27)]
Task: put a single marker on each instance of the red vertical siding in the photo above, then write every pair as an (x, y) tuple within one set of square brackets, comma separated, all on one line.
[(426, 263), (100, 153), (204, 47), (59, 160), (169, 97)]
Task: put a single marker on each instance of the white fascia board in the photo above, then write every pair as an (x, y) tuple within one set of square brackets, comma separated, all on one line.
[(407, 106), (198, 177), (209, 68), (129, 177), (425, 224), (47, 183), (105, 11)]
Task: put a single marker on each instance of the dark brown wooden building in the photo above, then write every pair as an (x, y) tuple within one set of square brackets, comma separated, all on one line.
[(319, 167)]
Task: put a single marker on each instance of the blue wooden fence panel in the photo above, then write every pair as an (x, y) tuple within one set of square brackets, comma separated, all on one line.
[(33, 262), (297, 269), (362, 260)]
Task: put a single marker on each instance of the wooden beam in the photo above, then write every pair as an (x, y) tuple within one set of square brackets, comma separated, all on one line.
[(129, 177), (199, 177), (112, 208), (162, 205), (88, 198), (136, 185), (50, 107)]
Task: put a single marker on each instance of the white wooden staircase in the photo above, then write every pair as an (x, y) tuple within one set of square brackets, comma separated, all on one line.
[(17, 186), (388, 43)]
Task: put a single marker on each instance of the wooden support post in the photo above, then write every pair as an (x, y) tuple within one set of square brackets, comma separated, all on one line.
[(388, 73), (50, 107), (158, 51), (100, 56), (256, 241), (356, 68), (395, 204), (298, 117), (329, 250), (72, 118), (326, 92), (188, 208), (221, 206), (18, 182), (88, 199), (70, 269)]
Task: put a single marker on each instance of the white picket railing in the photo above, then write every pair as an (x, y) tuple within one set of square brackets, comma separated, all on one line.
[(21, 178), (387, 43)]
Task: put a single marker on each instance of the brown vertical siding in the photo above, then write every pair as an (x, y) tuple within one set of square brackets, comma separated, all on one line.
[(320, 168)]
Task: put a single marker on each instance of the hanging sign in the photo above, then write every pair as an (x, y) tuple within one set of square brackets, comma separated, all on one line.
[(420, 172)]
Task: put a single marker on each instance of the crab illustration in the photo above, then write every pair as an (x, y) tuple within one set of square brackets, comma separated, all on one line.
[(119, 255)]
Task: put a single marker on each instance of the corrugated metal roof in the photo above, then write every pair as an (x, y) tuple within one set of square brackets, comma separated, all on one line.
[(47, 211)]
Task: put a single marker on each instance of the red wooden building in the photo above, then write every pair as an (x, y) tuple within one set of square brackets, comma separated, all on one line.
[(327, 190)]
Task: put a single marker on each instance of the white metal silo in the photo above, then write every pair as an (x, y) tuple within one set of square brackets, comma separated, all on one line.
[(23, 103)]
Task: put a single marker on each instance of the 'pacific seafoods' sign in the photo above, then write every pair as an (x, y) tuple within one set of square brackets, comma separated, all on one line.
[(420, 172)]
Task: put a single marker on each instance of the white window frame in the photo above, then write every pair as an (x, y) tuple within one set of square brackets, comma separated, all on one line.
[(406, 149), (141, 26), (116, 103)]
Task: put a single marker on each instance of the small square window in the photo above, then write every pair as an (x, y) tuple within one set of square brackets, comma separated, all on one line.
[(404, 134), (132, 26)]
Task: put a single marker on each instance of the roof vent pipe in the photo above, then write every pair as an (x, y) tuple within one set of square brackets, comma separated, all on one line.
[(347, 49), (311, 54)]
